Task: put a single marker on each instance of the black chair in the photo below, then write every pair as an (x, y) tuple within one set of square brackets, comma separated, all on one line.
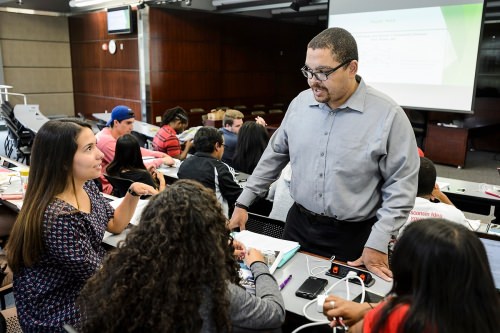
[(265, 225), (120, 185), (20, 140)]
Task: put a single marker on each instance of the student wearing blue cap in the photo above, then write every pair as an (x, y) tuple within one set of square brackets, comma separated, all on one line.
[(121, 123)]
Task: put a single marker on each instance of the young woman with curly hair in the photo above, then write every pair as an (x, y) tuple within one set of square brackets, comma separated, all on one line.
[(176, 273)]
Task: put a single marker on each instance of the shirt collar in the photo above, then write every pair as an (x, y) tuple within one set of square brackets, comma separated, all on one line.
[(356, 102)]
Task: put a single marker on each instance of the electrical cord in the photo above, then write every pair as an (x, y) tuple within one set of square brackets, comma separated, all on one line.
[(350, 275)]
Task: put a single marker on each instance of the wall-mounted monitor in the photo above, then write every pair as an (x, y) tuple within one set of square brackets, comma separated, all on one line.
[(422, 53), (119, 20)]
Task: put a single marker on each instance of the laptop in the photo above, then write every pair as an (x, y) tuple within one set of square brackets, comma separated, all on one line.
[(492, 245)]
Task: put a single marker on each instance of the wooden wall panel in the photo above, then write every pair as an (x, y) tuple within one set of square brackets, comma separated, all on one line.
[(173, 86), (206, 60), (86, 54), (126, 58), (184, 26), (184, 56), (87, 81), (102, 80), (99, 104), (121, 84)]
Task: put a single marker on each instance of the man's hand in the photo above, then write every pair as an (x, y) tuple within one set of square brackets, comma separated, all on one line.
[(376, 262), (238, 219)]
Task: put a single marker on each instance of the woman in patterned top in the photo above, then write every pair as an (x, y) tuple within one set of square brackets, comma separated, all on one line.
[(55, 244)]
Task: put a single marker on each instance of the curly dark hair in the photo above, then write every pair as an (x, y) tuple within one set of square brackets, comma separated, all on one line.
[(175, 261)]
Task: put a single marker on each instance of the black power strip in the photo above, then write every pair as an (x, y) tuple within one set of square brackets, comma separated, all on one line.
[(340, 271)]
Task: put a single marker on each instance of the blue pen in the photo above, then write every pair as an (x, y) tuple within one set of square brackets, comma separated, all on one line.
[(284, 283)]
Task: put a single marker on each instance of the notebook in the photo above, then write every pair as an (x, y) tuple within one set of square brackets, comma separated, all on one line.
[(276, 251)]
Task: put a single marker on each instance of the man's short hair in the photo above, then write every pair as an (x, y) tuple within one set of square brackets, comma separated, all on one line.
[(206, 138), (339, 41), (426, 177), (230, 116)]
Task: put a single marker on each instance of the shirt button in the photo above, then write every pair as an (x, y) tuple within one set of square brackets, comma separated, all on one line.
[(320, 175), (322, 154), (320, 195), (326, 133)]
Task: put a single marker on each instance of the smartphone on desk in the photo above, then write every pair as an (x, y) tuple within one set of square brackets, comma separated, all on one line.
[(311, 287)]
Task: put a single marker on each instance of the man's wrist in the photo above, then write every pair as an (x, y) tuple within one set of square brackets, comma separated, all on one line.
[(240, 205)]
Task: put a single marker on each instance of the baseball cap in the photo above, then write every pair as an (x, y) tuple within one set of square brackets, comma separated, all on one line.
[(120, 112)]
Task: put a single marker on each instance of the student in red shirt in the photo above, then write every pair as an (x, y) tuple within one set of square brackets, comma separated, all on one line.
[(174, 122), (442, 284)]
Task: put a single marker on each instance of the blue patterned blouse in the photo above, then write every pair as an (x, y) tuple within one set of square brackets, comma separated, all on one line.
[(45, 293)]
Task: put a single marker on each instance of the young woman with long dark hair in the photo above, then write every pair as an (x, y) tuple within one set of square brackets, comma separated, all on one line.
[(56, 242), (128, 164), (252, 141), (442, 284)]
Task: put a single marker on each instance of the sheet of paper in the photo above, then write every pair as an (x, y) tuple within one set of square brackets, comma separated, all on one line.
[(138, 210)]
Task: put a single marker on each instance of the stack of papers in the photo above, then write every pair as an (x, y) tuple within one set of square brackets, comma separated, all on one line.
[(138, 210), (277, 251)]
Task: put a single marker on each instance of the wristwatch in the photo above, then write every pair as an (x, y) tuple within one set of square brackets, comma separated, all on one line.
[(240, 205), (131, 191)]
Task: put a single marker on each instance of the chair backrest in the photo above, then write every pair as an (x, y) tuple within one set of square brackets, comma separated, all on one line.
[(198, 110), (240, 107), (275, 111), (258, 113), (11, 320), (265, 225), (120, 185)]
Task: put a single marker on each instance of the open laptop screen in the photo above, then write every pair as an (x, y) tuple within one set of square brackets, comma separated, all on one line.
[(492, 245)]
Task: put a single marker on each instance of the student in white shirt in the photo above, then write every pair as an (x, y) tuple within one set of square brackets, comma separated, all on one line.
[(428, 193)]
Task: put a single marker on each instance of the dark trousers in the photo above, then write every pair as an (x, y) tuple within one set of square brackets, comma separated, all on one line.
[(327, 236)]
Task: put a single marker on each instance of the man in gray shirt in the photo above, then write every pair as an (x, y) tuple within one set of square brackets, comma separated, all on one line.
[(354, 160)]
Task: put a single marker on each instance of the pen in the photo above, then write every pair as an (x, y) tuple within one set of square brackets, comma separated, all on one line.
[(493, 194), (284, 283)]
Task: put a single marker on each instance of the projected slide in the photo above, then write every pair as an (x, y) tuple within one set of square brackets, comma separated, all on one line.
[(422, 57)]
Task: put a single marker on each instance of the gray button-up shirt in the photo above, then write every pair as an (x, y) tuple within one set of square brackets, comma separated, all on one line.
[(351, 163)]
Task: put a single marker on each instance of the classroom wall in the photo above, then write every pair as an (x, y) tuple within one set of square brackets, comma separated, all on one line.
[(206, 60), (102, 80), (36, 60)]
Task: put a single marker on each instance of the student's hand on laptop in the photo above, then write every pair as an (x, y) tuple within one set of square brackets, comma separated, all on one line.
[(238, 219), (375, 261)]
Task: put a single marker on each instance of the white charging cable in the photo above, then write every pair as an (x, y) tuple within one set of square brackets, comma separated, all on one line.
[(321, 298)]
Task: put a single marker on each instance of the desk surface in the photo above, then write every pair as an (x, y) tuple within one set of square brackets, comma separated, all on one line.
[(297, 267), (30, 116), (140, 127), (466, 188)]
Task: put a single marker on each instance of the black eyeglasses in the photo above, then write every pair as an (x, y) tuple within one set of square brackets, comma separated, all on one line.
[(321, 76)]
